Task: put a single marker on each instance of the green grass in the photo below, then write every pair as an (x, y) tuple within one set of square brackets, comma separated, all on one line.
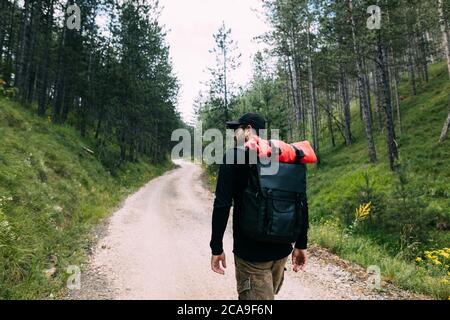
[(52, 192), (336, 185), (366, 252)]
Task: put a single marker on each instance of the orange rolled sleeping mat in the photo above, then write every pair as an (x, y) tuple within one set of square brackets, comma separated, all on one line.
[(287, 153)]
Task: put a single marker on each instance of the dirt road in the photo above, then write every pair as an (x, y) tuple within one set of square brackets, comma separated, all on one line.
[(157, 247)]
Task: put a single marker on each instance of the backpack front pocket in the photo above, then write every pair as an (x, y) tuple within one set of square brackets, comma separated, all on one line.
[(282, 218)]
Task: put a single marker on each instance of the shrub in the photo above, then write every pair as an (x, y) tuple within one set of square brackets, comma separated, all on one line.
[(362, 194)]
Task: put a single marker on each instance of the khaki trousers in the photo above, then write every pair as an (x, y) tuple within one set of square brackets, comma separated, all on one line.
[(259, 280)]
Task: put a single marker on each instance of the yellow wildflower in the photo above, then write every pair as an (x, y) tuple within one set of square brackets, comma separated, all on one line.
[(418, 259), (444, 254), (363, 212), (445, 281)]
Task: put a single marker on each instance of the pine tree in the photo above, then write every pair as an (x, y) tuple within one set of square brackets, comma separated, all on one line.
[(227, 60)]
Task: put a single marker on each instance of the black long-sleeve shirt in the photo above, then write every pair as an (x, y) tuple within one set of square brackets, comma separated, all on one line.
[(231, 183)]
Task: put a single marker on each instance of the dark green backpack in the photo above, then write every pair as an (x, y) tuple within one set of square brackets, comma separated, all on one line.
[(273, 205)]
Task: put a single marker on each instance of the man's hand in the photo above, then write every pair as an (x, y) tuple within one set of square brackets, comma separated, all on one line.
[(216, 264), (299, 259)]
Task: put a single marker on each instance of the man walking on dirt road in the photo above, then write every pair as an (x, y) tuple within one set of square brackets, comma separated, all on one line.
[(259, 266)]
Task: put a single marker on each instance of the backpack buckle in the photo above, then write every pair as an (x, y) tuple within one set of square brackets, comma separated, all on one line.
[(299, 154)]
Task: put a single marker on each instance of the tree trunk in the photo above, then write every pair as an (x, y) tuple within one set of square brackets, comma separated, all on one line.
[(367, 90), (288, 104), (396, 82), (330, 119), (312, 93), (98, 127), (8, 65), (446, 124), (395, 71), (444, 30), (390, 131), (299, 94), (60, 80), (19, 80), (430, 39), (87, 101), (424, 51), (225, 83), (346, 109), (2, 40), (30, 70), (417, 56), (361, 87), (412, 74), (43, 84), (71, 44), (294, 91), (378, 97), (3, 7)]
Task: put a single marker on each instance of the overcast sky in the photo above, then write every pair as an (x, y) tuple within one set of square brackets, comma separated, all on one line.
[(191, 25)]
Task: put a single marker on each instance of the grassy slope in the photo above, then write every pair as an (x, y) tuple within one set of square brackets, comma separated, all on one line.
[(51, 194), (427, 167)]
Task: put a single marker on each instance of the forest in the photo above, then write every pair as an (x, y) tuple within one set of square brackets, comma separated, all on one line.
[(108, 74)]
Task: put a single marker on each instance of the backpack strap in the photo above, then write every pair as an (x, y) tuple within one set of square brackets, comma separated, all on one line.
[(299, 154), (277, 150)]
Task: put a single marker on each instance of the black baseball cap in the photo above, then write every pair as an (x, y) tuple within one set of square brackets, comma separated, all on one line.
[(253, 119)]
